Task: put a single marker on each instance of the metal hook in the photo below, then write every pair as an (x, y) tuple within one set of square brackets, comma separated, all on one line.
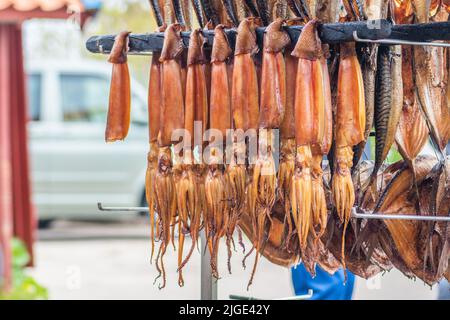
[(400, 42), (379, 215)]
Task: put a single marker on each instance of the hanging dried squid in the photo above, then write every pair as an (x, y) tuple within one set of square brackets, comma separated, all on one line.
[(221, 120), (349, 126), (118, 120), (272, 104), (189, 193), (171, 119), (310, 96), (245, 103), (217, 208), (287, 143)]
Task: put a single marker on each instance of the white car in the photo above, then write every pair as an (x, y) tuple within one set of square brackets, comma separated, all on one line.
[(72, 168)]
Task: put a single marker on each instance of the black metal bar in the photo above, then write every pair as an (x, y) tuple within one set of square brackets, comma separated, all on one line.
[(421, 32), (329, 33)]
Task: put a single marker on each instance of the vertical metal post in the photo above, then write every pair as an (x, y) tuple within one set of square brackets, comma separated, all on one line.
[(208, 287)]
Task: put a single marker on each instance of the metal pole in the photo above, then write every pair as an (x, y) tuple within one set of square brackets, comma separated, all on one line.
[(208, 286)]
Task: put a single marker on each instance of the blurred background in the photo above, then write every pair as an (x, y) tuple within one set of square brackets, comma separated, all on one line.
[(79, 252)]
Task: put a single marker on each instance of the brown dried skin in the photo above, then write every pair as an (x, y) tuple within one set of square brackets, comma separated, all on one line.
[(172, 111), (403, 11), (430, 75), (220, 102), (319, 205), (196, 99), (118, 119), (446, 4), (274, 250), (273, 80), (412, 132), (245, 104), (421, 10), (350, 124), (407, 236)]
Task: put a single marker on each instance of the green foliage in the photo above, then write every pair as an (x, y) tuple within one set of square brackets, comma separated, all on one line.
[(131, 15), (24, 287)]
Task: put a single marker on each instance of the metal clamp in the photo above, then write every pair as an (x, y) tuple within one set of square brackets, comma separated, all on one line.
[(379, 215), (400, 42)]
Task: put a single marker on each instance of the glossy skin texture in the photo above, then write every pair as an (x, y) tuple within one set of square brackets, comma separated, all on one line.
[(244, 101), (220, 102), (350, 124), (313, 132), (172, 111), (118, 119), (154, 98)]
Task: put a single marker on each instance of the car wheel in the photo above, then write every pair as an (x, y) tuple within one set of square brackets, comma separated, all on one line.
[(45, 223)]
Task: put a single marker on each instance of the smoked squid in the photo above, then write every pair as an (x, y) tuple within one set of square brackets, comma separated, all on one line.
[(272, 105), (189, 203), (221, 120), (349, 125), (310, 96), (245, 105), (171, 119), (118, 120), (154, 110)]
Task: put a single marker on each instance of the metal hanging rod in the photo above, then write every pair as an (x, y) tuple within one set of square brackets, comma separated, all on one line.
[(357, 213), (400, 42), (121, 209), (378, 215), (331, 33), (299, 297)]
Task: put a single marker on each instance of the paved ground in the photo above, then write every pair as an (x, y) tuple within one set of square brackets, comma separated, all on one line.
[(111, 261)]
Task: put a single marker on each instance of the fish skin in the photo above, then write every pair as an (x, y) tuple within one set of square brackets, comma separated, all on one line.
[(251, 7), (376, 9), (231, 11), (157, 12), (412, 132), (388, 103), (199, 13), (210, 12), (263, 11)]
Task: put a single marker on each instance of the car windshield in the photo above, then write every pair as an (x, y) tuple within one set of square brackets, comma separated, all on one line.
[(84, 97)]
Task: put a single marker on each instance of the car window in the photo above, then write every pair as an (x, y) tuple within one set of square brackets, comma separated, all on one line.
[(34, 87), (84, 97)]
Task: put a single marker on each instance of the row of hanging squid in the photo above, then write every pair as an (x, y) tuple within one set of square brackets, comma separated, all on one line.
[(316, 102)]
